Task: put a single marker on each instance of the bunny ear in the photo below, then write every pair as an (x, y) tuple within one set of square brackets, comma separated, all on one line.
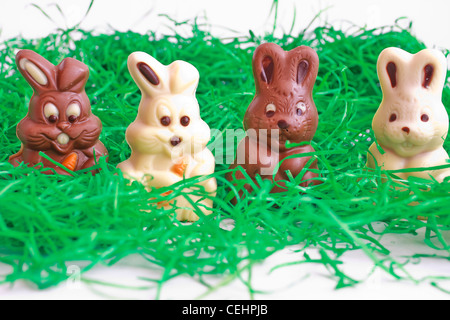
[(272, 66), (267, 69), (72, 75), (432, 68), (392, 69), (149, 74), (400, 70), (38, 71), (302, 71), (266, 64), (184, 78), (305, 65)]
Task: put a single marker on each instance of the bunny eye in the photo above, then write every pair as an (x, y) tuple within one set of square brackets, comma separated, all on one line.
[(73, 111), (270, 110), (301, 108), (163, 114), (51, 112), (165, 121), (425, 118), (393, 117), (185, 121)]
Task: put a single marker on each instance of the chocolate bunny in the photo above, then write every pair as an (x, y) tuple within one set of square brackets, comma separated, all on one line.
[(59, 121), (411, 122), (282, 110), (168, 138)]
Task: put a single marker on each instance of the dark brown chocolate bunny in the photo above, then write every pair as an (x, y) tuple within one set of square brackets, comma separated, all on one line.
[(59, 121), (282, 110)]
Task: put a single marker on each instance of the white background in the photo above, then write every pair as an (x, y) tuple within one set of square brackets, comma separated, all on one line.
[(229, 18), (431, 21)]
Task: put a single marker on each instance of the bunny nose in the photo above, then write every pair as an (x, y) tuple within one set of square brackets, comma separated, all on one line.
[(283, 124), (63, 125), (175, 141), (406, 129)]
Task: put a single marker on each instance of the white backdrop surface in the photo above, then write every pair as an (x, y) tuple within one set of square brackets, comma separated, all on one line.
[(430, 24)]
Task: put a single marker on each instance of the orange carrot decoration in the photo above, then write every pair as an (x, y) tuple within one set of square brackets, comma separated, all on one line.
[(164, 203), (71, 161), (179, 167)]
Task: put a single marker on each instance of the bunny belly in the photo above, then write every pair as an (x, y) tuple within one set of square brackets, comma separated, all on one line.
[(391, 161), (264, 161), (433, 158), (156, 171), (150, 170), (255, 158), (203, 163), (32, 158), (297, 163)]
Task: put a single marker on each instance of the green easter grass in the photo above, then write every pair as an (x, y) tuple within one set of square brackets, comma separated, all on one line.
[(49, 222)]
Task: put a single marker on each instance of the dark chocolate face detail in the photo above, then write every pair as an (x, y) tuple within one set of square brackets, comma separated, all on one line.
[(148, 73), (391, 69), (428, 71), (283, 100), (59, 117)]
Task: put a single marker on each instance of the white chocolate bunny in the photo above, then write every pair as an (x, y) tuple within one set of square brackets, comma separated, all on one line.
[(168, 138), (411, 123)]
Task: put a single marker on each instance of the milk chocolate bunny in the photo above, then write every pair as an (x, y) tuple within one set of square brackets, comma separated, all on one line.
[(168, 138), (59, 121), (411, 123), (282, 110)]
